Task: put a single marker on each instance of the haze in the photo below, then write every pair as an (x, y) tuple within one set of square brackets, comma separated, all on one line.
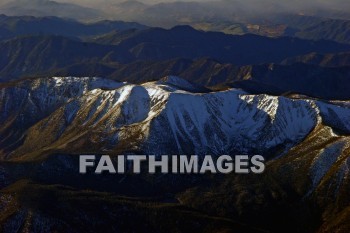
[(168, 12), (292, 4)]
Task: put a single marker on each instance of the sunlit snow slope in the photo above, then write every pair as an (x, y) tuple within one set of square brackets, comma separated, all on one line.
[(170, 116)]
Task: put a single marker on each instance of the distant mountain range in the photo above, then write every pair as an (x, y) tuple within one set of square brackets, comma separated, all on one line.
[(154, 44), (230, 17), (49, 8), (28, 25), (268, 78), (327, 29), (211, 59), (110, 87)]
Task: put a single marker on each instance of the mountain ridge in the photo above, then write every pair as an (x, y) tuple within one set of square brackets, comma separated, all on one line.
[(305, 142)]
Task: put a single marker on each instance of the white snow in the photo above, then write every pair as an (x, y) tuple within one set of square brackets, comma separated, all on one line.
[(208, 121)]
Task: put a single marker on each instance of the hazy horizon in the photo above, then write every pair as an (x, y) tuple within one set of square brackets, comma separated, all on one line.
[(173, 12), (343, 5)]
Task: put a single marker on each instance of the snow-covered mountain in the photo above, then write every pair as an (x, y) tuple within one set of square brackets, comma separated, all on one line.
[(154, 118), (306, 141)]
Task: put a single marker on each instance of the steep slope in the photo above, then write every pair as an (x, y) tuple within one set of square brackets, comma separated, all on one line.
[(139, 117), (305, 142), (33, 55), (21, 108), (307, 187)]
